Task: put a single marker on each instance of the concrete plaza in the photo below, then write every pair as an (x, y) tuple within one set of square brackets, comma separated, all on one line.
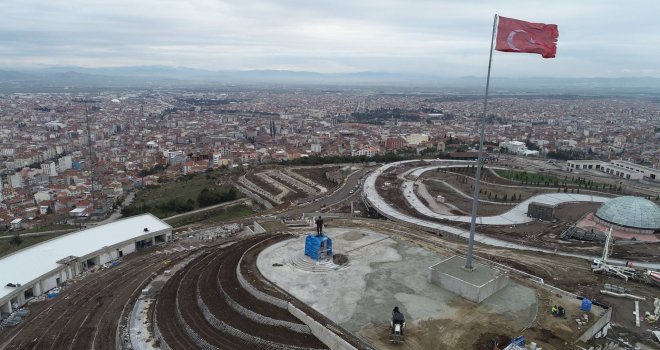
[(384, 272)]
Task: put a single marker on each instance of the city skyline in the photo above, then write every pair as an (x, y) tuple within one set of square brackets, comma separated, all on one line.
[(597, 39)]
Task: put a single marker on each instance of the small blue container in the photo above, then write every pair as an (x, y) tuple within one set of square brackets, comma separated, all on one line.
[(519, 341), (586, 305)]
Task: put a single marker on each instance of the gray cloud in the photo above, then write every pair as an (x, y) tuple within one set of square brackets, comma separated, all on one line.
[(597, 38)]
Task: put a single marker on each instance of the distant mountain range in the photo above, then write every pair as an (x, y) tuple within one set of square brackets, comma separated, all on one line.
[(72, 77)]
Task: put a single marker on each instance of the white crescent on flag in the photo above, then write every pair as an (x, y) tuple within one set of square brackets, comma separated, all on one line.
[(512, 35)]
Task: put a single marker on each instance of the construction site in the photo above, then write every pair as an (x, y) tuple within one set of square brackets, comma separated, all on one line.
[(306, 273)]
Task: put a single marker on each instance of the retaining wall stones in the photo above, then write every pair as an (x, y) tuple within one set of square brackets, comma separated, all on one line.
[(329, 338), (293, 182), (258, 190), (597, 326), (254, 197), (282, 304), (301, 178), (296, 327), (259, 343)]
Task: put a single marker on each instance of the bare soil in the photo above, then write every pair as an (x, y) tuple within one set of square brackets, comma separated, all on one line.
[(465, 204), (488, 341), (317, 174), (87, 312), (294, 196), (263, 184), (491, 191)]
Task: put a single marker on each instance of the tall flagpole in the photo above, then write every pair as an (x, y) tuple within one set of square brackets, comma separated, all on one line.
[(477, 178)]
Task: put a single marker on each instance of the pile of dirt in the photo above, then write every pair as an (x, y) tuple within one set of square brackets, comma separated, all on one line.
[(340, 259), (491, 341)]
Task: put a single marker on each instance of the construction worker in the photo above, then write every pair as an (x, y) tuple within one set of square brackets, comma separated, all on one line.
[(554, 310), (397, 318), (560, 311)]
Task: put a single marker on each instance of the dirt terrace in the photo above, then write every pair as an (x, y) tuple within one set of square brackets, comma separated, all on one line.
[(204, 305), (317, 174), (257, 180), (86, 314)]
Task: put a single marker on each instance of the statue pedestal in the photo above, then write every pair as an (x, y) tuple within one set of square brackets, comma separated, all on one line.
[(318, 247)]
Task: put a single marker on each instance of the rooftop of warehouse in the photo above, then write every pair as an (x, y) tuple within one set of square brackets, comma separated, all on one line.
[(32, 262)]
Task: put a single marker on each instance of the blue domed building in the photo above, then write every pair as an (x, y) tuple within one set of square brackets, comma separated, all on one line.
[(630, 214)]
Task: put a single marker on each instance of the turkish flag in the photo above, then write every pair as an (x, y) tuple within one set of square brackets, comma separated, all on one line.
[(519, 36)]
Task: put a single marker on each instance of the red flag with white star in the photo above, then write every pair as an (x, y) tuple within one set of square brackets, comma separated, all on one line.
[(519, 36)]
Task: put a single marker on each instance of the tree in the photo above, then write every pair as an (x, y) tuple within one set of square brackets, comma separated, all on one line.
[(16, 240), (209, 197)]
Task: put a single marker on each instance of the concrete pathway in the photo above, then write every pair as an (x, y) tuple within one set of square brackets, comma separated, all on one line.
[(517, 215), (433, 204), (377, 202)]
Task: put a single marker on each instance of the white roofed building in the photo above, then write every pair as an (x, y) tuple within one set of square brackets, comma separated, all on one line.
[(44, 266)]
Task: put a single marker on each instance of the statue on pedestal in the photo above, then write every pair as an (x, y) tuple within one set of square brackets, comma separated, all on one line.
[(319, 226)]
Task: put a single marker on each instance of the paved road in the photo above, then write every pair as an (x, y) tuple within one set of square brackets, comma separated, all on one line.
[(338, 196), (41, 233), (117, 213)]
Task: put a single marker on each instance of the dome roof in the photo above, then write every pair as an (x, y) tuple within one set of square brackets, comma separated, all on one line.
[(631, 211)]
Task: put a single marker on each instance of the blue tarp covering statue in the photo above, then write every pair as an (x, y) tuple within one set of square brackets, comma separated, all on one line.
[(318, 246)]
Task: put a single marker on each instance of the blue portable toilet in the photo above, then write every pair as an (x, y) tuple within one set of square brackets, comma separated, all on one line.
[(317, 247), (586, 305)]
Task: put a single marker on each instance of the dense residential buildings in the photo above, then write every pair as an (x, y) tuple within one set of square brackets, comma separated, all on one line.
[(140, 138)]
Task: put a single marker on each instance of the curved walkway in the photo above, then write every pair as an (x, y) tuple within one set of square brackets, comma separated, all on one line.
[(378, 203), (517, 215)]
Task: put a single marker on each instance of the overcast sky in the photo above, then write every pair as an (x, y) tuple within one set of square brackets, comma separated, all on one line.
[(609, 38)]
